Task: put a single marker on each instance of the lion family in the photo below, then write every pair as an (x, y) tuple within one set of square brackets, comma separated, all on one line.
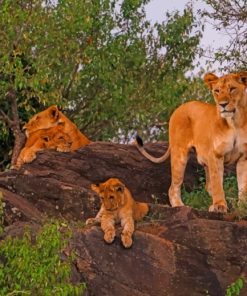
[(217, 132)]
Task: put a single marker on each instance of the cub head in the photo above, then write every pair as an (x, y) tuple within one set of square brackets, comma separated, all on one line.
[(54, 138), (43, 120), (111, 193), (229, 92)]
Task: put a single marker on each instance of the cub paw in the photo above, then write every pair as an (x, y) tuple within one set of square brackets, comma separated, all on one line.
[(91, 221), (109, 236), (218, 208), (126, 240)]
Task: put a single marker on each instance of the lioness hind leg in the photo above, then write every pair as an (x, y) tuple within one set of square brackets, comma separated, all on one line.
[(178, 163), (242, 180), (207, 177)]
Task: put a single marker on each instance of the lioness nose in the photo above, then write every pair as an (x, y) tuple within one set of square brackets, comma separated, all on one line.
[(223, 104)]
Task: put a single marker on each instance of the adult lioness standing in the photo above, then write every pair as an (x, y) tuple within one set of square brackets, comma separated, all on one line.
[(217, 132), (51, 117)]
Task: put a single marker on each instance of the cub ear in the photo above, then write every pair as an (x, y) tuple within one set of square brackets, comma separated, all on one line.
[(210, 79), (54, 112), (45, 138), (95, 188), (243, 77)]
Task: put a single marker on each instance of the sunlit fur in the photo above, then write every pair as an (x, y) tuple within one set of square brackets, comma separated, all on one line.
[(51, 138), (117, 206), (53, 117), (218, 132)]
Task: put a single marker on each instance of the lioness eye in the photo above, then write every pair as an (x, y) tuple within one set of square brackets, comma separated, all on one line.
[(232, 89), (216, 91), (111, 197)]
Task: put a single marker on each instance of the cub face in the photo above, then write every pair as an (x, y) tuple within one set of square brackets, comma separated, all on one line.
[(59, 141), (111, 193)]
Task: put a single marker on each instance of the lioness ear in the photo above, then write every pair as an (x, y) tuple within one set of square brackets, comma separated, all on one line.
[(243, 78), (95, 187), (54, 112), (210, 79), (119, 188)]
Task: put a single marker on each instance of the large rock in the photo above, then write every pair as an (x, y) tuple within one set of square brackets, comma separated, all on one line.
[(58, 184), (184, 253), (176, 251)]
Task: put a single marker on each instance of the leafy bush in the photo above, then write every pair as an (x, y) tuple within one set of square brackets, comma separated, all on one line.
[(1, 213), (235, 288), (35, 268)]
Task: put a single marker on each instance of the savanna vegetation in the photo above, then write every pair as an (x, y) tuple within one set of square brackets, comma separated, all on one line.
[(112, 72)]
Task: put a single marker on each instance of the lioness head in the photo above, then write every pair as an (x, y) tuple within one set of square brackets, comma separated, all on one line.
[(229, 92), (111, 193), (43, 120)]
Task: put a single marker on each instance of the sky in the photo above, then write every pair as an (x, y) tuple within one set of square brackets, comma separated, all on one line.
[(156, 10)]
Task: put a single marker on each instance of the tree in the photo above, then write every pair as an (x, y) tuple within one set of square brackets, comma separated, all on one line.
[(109, 69), (230, 17)]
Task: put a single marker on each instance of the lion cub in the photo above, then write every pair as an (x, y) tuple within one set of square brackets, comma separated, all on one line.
[(117, 206), (51, 138)]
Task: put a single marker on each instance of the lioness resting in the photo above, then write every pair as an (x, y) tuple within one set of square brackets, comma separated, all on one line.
[(217, 132), (51, 138), (52, 117), (117, 205)]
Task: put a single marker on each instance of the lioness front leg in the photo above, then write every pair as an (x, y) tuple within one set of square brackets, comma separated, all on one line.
[(108, 226), (215, 171), (25, 156), (128, 229), (242, 179)]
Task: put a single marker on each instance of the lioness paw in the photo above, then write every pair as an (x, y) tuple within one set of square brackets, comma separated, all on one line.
[(218, 208), (126, 240), (109, 236), (29, 158)]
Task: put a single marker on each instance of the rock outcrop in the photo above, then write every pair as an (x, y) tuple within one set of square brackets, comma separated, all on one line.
[(176, 251)]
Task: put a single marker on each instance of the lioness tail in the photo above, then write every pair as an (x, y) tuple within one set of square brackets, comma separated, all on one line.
[(139, 145)]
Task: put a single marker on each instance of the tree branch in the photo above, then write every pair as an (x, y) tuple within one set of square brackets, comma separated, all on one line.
[(15, 127)]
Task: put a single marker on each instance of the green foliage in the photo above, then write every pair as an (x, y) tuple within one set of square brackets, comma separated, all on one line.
[(35, 268), (233, 56), (235, 288), (1, 213), (102, 61)]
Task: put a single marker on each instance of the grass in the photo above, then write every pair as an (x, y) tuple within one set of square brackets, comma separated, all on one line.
[(199, 198)]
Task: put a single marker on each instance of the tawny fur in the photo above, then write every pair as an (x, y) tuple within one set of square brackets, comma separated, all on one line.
[(53, 117), (51, 138), (217, 132), (117, 206)]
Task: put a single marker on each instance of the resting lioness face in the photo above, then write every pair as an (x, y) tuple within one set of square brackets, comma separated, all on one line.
[(117, 206), (217, 132)]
